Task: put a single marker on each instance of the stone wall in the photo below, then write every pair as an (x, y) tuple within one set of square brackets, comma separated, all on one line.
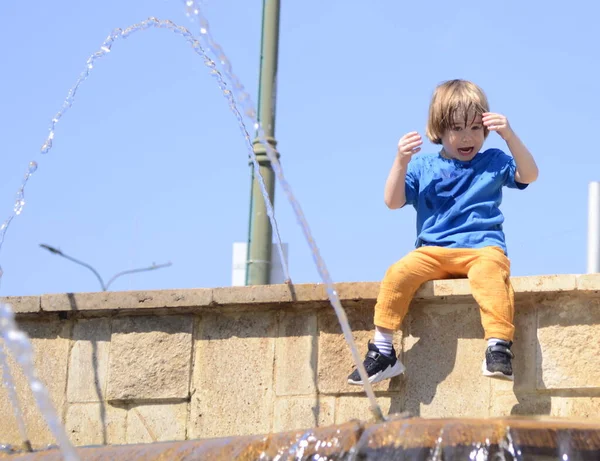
[(125, 367)]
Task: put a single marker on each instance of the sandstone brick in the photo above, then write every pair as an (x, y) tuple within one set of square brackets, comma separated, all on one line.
[(50, 342), (508, 403), (88, 361), (576, 407), (233, 374), (348, 408), (588, 282), (357, 291), (445, 346), (296, 354), (251, 295), (439, 288), (22, 304), (542, 283), (335, 361), (293, 413), (95, 424), (568, 335), (156, 423), (126, 300), (150, 357)]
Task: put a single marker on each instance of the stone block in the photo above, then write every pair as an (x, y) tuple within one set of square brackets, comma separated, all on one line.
[(50, 342), (509, 403), (292, 413), (22, 304), (88, 361), (95, 424), (296, 354), (544, 283), (443, 288), (253, 295), (444, 346), (588, 282), (568, 333), (309, 292), (233, 374), (357, 291), (156, 423), (335, 361), (576, 407), (126, 300), (150, 357), (348, 408)]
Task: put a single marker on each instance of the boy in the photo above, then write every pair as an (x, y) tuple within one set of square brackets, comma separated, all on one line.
[(456, 193)]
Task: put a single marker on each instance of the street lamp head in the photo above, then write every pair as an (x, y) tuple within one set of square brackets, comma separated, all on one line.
[(51, 249)]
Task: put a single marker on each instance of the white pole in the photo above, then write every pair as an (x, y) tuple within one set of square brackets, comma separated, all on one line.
[(593, 262)]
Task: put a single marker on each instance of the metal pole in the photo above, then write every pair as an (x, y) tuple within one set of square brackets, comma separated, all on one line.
[(258, 265), (593, 262)]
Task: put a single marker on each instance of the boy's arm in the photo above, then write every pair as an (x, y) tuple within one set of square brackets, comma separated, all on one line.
[(394, 195), (395, 186), (527, 170)]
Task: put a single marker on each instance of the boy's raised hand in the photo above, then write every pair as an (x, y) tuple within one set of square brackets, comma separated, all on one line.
[(498, 123), (409, 145)]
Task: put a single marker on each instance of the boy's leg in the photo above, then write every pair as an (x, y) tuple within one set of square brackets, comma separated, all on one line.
[(402, 280), (397, 289), (489, 276)]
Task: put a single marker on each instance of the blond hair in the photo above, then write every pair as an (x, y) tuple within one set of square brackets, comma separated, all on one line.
[(451, 99)]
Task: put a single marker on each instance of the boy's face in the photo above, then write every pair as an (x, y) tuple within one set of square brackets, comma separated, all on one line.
[(464, 138)]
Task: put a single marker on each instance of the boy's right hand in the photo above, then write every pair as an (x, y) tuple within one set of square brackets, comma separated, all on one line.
[(409, 145)]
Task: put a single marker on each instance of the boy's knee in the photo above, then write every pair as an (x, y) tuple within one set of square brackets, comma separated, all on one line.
[(407, 265)]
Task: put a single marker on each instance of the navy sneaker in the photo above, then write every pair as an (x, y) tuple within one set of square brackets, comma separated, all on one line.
[(379, 366), (498, 361)]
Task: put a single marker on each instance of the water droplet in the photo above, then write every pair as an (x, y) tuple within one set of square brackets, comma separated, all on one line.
[(33, 166), (203, 31), (47, 146), (19, 204), (17, 336), (36, 386)]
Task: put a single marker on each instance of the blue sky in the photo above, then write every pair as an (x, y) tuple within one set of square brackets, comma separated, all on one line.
[(149, 164)]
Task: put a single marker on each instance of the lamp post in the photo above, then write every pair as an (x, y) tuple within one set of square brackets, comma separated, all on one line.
[(258, 261), (114, 277)]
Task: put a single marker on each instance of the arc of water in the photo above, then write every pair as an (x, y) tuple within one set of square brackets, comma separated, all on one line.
[(20, 346), (244, 100), (9, 384), (105, 48)]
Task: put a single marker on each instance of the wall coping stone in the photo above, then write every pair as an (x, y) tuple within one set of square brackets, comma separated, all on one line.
[(176, 301)]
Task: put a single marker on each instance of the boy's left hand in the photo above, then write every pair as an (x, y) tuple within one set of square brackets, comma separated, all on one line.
[(498, 123)]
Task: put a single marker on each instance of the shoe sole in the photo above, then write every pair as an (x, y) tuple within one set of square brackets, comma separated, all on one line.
[(388, 373), (495, 374)]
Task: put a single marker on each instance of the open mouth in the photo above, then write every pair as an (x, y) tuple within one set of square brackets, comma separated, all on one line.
[(466, 151)]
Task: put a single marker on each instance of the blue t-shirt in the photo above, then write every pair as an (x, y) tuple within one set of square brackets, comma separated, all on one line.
[(458, 202)]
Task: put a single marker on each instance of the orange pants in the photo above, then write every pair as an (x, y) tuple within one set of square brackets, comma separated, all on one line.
[(488, 270)]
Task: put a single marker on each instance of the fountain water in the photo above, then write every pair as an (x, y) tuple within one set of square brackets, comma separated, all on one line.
[(401, 439)]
